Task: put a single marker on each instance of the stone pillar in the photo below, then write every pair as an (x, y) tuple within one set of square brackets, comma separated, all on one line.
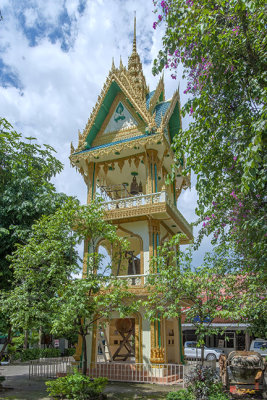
[(247, 341)]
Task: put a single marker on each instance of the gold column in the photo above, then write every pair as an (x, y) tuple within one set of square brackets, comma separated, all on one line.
[(92, 171), (150, 159)]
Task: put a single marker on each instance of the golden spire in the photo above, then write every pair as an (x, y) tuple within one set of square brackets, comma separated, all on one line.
[(113, 65), (134, 38), (135, 67)]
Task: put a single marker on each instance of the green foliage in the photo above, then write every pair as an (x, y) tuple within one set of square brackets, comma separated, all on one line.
[(35, 353), (26, 192), (222, 50), (219, 396), (76, 387), (182, 394), (69, 352), (200, 289), (41, 268), (45, 292), (204, 383)]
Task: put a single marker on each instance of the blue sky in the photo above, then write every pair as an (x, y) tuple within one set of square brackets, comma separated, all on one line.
[(54, 59)]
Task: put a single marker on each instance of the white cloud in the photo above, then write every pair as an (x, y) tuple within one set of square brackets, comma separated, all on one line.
[(31, 16), (59, 88)]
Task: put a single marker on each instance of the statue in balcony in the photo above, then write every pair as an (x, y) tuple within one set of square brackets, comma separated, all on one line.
[(134, 187)]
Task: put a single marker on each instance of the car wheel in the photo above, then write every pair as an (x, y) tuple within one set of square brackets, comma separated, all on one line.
[(211, 357)]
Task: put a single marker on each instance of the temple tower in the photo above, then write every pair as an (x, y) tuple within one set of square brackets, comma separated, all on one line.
[(125, 153)]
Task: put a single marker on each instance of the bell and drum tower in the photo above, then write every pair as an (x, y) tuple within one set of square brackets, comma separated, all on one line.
[(124, 153)]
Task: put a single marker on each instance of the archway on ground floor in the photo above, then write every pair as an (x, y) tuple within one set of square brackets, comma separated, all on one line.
[(118, 340)]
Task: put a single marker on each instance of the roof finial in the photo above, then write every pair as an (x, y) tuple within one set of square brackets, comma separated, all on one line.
[(134, 39)]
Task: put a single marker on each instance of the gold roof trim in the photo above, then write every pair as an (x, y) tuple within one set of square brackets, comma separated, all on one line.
[(126, 82), (160, 88)]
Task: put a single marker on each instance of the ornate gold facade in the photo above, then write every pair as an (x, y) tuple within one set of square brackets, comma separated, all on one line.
[(125, 153)]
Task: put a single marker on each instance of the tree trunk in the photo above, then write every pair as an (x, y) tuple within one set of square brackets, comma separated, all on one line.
[(202, 354), (25, 344), (84, 353), (7, 342), (40, 338)]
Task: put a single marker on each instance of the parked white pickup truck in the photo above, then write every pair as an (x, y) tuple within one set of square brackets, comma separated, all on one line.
[(259, 345), (192, 351)]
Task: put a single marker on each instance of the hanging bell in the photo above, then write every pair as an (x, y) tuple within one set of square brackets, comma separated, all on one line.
[(140, 187), (134, 187)]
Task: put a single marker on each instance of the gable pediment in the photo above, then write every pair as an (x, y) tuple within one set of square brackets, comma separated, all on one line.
[(120, 119), (118, 83), (121, 122)]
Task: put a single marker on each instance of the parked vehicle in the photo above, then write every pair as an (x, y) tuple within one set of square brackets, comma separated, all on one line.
[(259, 345), (192, 351)]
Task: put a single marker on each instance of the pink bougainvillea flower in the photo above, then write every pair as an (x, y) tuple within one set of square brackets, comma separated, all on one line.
[(233, 194)]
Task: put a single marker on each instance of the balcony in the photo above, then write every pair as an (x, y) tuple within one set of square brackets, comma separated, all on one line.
[(156, 205), (134, 280), (136, 201)]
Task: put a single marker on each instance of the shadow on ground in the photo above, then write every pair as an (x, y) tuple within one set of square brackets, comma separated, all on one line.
[(21, 388)]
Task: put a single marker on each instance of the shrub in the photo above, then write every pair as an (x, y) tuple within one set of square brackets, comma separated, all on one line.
[(58, 388), (219, 396), (69, 352), (35, 353), (204, 382), (182, 394), (76, 387), (49, 353)]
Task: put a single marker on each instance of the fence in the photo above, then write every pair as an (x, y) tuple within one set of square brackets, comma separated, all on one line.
[(195, 361), (113, 371), (50, 367), (139, 373)]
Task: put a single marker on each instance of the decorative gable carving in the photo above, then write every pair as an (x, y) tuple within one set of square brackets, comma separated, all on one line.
[(121, 119)]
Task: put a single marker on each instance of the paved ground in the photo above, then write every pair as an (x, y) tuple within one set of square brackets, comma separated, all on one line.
[(18, 387)]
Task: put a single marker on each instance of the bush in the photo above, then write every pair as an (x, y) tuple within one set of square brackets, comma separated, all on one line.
[(204, 383), (35, 353), (219, 396), (69, 352), (182, 394), (49, 353), (76, 387)]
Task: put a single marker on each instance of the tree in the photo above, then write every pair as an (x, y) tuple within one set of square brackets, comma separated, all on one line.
[(84, 302), (45, 292), (26, 193), (221, 45), (213, 290)]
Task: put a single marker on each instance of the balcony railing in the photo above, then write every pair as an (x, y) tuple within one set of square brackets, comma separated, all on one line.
[(134, 280), (136, 201), (146, 199)]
